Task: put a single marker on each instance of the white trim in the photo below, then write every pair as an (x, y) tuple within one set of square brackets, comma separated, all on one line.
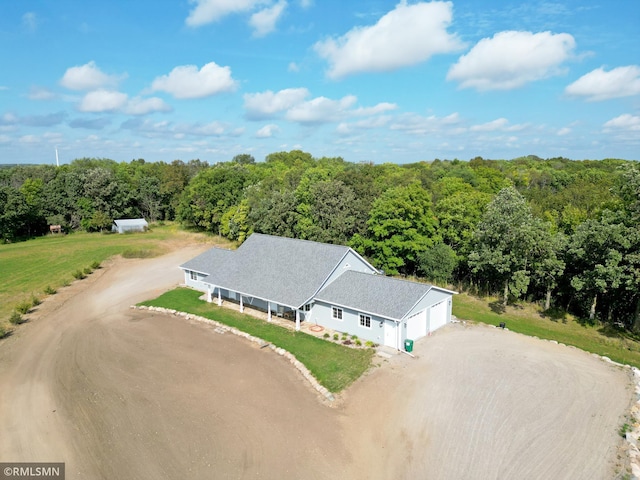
[(362, 316), (335, 310)]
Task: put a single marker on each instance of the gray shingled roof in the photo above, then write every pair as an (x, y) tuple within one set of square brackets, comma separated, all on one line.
[(283, 270), (208, 261), (376, 294)]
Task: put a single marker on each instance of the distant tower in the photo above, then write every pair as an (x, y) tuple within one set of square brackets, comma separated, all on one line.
[(57, 161)]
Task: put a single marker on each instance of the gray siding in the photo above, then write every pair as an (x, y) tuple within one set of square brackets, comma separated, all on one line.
[(431, 298), (351, 261), (321, 314)]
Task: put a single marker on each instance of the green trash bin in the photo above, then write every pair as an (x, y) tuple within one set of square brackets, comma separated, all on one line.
[(408, 345)]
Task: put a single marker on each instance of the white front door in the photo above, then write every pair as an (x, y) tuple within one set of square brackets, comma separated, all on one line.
[(391, 334)]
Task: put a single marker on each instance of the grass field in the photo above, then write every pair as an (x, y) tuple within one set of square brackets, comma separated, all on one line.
[(617, 345), (333, 365), (28, 268)]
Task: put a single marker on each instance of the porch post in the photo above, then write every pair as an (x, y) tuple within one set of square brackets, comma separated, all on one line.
[(209, 294), (269, 311), (241, 304), (219, 297), (297, 320)]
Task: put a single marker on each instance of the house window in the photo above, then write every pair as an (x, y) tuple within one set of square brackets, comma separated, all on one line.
[(336, 313), (307, 307), (194, 276), (365, 321)]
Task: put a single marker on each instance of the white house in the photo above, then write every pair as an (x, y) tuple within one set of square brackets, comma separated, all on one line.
[(328, 285), (129, 225)]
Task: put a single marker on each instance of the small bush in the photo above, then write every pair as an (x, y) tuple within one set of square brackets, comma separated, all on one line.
[(358, 343), (336, 336), (87, 271), (347, 342), (95, 265), (78, 275), (23, 307), (4, 331), (65, 283), (35, 301), (16, 318), (326, 335), (344, 336), (49, 290), (354, 337), (369, 344)]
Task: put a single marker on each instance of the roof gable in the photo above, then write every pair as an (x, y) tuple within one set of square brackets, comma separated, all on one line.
[(376, 294)]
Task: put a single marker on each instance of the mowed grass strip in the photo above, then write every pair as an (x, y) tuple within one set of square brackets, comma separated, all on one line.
[(595, 339), (333, 365), (31, 267)]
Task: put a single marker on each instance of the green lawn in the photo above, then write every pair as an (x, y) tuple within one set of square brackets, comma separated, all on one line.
[(333, 365), (616, 345), (28, 267)]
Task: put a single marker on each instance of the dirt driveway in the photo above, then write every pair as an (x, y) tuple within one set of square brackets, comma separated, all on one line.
[(124, 394)]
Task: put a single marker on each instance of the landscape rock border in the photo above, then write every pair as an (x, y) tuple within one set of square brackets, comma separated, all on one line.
[(304, 371)]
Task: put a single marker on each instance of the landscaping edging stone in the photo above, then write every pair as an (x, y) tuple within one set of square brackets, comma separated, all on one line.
[(304, 371)]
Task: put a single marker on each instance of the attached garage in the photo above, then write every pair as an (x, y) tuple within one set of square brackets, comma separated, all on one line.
[(438, 315), (417, 325)]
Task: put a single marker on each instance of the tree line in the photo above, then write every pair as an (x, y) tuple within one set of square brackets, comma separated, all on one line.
[(555, 231)]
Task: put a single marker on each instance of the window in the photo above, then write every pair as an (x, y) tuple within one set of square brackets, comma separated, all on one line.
[(336, 313), (307, 307), (194, 276), (365, 321)]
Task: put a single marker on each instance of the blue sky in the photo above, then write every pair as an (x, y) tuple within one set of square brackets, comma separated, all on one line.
[(370, 80)]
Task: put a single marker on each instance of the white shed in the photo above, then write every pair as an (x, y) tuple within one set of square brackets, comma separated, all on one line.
[(130, 225)]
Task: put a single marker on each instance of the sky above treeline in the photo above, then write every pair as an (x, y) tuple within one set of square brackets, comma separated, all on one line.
[(370, 81)]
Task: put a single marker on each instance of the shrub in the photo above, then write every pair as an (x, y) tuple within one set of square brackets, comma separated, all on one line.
[(336, 336), (369, 343), (23, 307), (16, 318), (358, 342), (354, 337), (65, 283), (4, 331), (88, 271), (35, 301), (347, 342), (49, 290), (78, 275), (95, 265), (326, 335)]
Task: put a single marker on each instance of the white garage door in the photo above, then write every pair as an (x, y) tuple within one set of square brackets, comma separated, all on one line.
[(438, 315), (417, 325)]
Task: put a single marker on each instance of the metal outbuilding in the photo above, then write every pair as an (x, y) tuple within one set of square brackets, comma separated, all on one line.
[(130, 225)]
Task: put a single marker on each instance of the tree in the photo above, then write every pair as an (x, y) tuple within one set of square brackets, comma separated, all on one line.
[(244, 159), (400, 226), (274, 213), (438, 263), (235, 222), (503, 243)]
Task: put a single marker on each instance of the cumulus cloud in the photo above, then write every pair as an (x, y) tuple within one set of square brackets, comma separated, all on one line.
[(143, 106), (102, 101), (599, 84), (321, 110), (208, 11), (512, 59), (264, 21), (419, 125), (88, 77), (90, 123), (267, 104), (187, 81), (40, 93), (267, 131), (625, 121), (405, 36)]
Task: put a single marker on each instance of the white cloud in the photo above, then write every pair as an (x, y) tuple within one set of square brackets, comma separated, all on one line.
[(208, 11), (405, 36), (267, 104), (600, 85), (187, 81), (30, 21), (264, 21), (306, 3), (102, 101), (419, 125), (511, 59), (267, 131), (624, 122), (379, 108), (143, 106), (564, 131), (88, 77), (2, 87), (497, 124), (293, 67), (40, 93), (321, 110)]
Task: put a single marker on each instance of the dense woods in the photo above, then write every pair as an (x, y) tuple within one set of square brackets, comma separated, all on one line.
[(558, 232)]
